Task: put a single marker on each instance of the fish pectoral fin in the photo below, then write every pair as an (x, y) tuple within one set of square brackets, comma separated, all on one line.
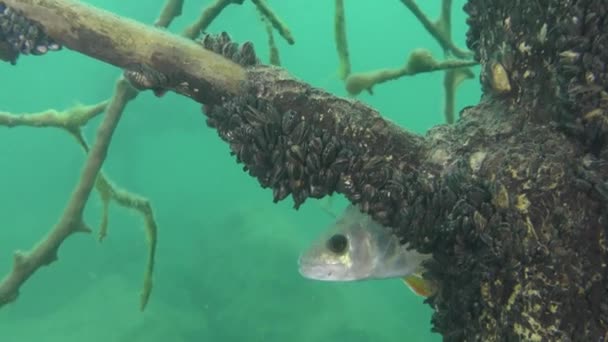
[(420, 286)]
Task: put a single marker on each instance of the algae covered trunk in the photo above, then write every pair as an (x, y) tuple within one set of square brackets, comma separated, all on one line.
[(511, 200)]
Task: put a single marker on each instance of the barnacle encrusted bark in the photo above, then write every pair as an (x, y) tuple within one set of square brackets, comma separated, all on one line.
[(18, 35), (185, 68), (144, 78), (512, 210), (552, 57), (547, 61), (512, 206)]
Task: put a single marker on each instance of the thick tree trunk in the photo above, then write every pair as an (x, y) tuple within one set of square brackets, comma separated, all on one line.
[(551, 282), (511, 200), (512, 210)]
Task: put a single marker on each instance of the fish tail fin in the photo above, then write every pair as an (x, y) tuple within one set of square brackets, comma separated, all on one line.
[(420, 286)]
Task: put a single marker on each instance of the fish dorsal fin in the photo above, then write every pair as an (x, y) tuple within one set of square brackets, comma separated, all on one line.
[(353, 212), (419, 285), (353, 215), (326, 205)]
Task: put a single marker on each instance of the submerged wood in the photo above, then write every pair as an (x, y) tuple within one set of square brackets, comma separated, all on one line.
[(192, 71), (512, 204)]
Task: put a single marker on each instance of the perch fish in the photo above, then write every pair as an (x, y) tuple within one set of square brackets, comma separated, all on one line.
[(358, 248)]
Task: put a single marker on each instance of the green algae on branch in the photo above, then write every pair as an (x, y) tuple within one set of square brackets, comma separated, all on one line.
[(274, 19), (207, 16), (419, 61), (341, 41), (440, 30), (194, 72), (71, 121), (46, 251), (171, 10), (452, 79), (274, 57)]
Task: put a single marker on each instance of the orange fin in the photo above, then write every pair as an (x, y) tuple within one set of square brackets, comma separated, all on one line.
[(420, 286)]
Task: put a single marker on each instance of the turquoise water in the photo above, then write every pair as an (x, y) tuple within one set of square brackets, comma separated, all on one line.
[(226, 265)]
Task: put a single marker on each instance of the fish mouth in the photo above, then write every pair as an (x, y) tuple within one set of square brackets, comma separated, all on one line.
[(308, 269), (315, 271), (304, 265)]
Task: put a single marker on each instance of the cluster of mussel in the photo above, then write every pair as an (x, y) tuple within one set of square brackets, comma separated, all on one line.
[(142, 77), (243, 54), (279, 148), (22, 35)]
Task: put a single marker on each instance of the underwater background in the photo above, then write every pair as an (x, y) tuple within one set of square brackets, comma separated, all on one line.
[(226, 266)]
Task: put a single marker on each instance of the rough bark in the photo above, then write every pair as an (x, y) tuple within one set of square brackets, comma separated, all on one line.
[(554, 56), (511, 209), (187, 69), (511, 200)]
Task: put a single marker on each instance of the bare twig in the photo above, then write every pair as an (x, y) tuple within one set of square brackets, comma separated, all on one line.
[(70, 120), (45, 252), (439, 30), (207, 16), (341, 41), (171, 10), (420, 61), (274, 19), (110, 192), (274, 58), (444, 23), (452, 79), (455, 71)]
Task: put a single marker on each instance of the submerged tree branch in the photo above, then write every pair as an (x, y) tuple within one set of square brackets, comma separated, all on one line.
[(45, 252), (341, 41), (439, 30), (171, 10), (207, 16), (419, 61), (273, 53), (274, 19), (190, 70), (71, 121), (513, 211)]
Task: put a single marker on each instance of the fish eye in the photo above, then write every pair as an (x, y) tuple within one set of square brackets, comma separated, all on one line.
[(337, 243)]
